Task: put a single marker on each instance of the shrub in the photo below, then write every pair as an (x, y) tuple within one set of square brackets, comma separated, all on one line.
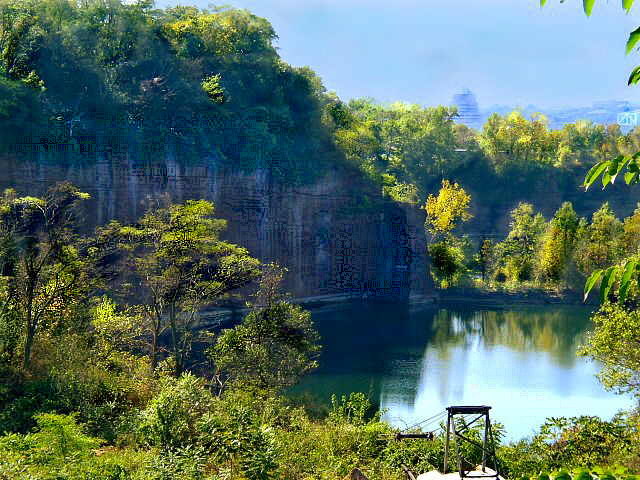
[(170, 420)]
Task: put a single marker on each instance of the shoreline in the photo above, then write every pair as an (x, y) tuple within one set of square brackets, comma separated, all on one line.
[(452, 296), (505, 299)]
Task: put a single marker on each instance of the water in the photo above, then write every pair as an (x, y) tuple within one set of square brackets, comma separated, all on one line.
[(416, 362)]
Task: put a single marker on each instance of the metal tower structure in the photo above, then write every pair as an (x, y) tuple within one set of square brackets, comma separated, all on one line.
[(458, 429)]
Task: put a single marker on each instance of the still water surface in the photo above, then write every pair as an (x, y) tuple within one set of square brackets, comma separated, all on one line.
[(415, 362)]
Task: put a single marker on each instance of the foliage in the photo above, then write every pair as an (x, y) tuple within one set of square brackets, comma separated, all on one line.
[(401, 147), (176, 77), (170, 419), (517, 252), (576, 444), (213, 89), (558, 243), (447, 262), (614, 344), (180, 266), (447, 209), (272, 347), (44, 273), (515, 142), (581, 441)]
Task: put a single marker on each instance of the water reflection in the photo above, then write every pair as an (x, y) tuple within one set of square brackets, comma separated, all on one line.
[(416, 362)]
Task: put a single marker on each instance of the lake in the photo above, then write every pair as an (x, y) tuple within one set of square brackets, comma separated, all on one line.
[(414, 362)]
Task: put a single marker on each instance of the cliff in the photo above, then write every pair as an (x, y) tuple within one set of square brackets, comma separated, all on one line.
[(331, 243)]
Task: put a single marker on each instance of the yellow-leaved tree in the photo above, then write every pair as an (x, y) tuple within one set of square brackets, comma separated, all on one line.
[(445, 212)]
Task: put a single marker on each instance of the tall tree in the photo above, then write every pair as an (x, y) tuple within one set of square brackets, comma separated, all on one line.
[(43, 270), (445, 212), (599, 246), (518, 249), (558, 243), (180, 266)]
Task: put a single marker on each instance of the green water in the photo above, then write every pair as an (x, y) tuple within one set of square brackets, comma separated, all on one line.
[(415, 362)]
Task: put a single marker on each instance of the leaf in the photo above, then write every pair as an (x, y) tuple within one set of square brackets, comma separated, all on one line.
[(631, 177), (620, 163), (588, 6), (627, 4), (633, 170), (606, 179), (625, 281), (591, 281), (543, 2), (634, 37), (594, 173), (607, 282), (634, 77)]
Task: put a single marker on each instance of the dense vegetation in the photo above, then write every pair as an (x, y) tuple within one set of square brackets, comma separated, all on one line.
[(97, 75), (557, 254), (105, 372), (107, 375)]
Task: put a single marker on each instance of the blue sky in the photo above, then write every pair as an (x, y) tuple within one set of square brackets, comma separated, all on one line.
[(508, 52)]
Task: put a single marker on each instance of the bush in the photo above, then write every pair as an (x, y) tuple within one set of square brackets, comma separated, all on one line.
[(170, 420)]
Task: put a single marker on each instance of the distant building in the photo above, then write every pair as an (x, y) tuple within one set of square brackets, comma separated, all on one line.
[(468, 112)]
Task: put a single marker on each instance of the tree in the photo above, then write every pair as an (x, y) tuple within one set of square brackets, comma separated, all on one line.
[(444, 214), (615, 344), (558, 243), (599, 245), (485, 257), (273, 346), (514, 141), (447, 210), (44, 272), (401, 146), (631, 234), (518, 249), (180, 266), (447, 260)]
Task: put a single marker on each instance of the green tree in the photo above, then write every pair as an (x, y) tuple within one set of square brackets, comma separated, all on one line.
[(599, 244), (517, 251), (401, 146), (45, 275), (274, 345), (447, 260), (615, 344), (513, 141), (631, 233), (485, 257), (558, 243), (180, 266), (445, 212)]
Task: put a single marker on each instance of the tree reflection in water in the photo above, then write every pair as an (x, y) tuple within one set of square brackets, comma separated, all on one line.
[(415, 362)]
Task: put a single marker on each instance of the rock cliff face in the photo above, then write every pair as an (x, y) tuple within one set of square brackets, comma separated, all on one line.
[(330, 243)]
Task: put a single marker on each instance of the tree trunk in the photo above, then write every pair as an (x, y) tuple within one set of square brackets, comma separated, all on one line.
[(30, 331), (175, 343), (154, 350), (28, 345)]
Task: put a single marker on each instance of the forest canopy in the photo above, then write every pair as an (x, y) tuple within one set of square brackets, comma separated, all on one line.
[(200, 83)]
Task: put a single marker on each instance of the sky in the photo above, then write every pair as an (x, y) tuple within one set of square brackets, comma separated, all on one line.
[(508, 52)]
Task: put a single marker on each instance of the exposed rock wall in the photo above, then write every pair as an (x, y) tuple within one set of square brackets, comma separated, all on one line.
[(320, 232)]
